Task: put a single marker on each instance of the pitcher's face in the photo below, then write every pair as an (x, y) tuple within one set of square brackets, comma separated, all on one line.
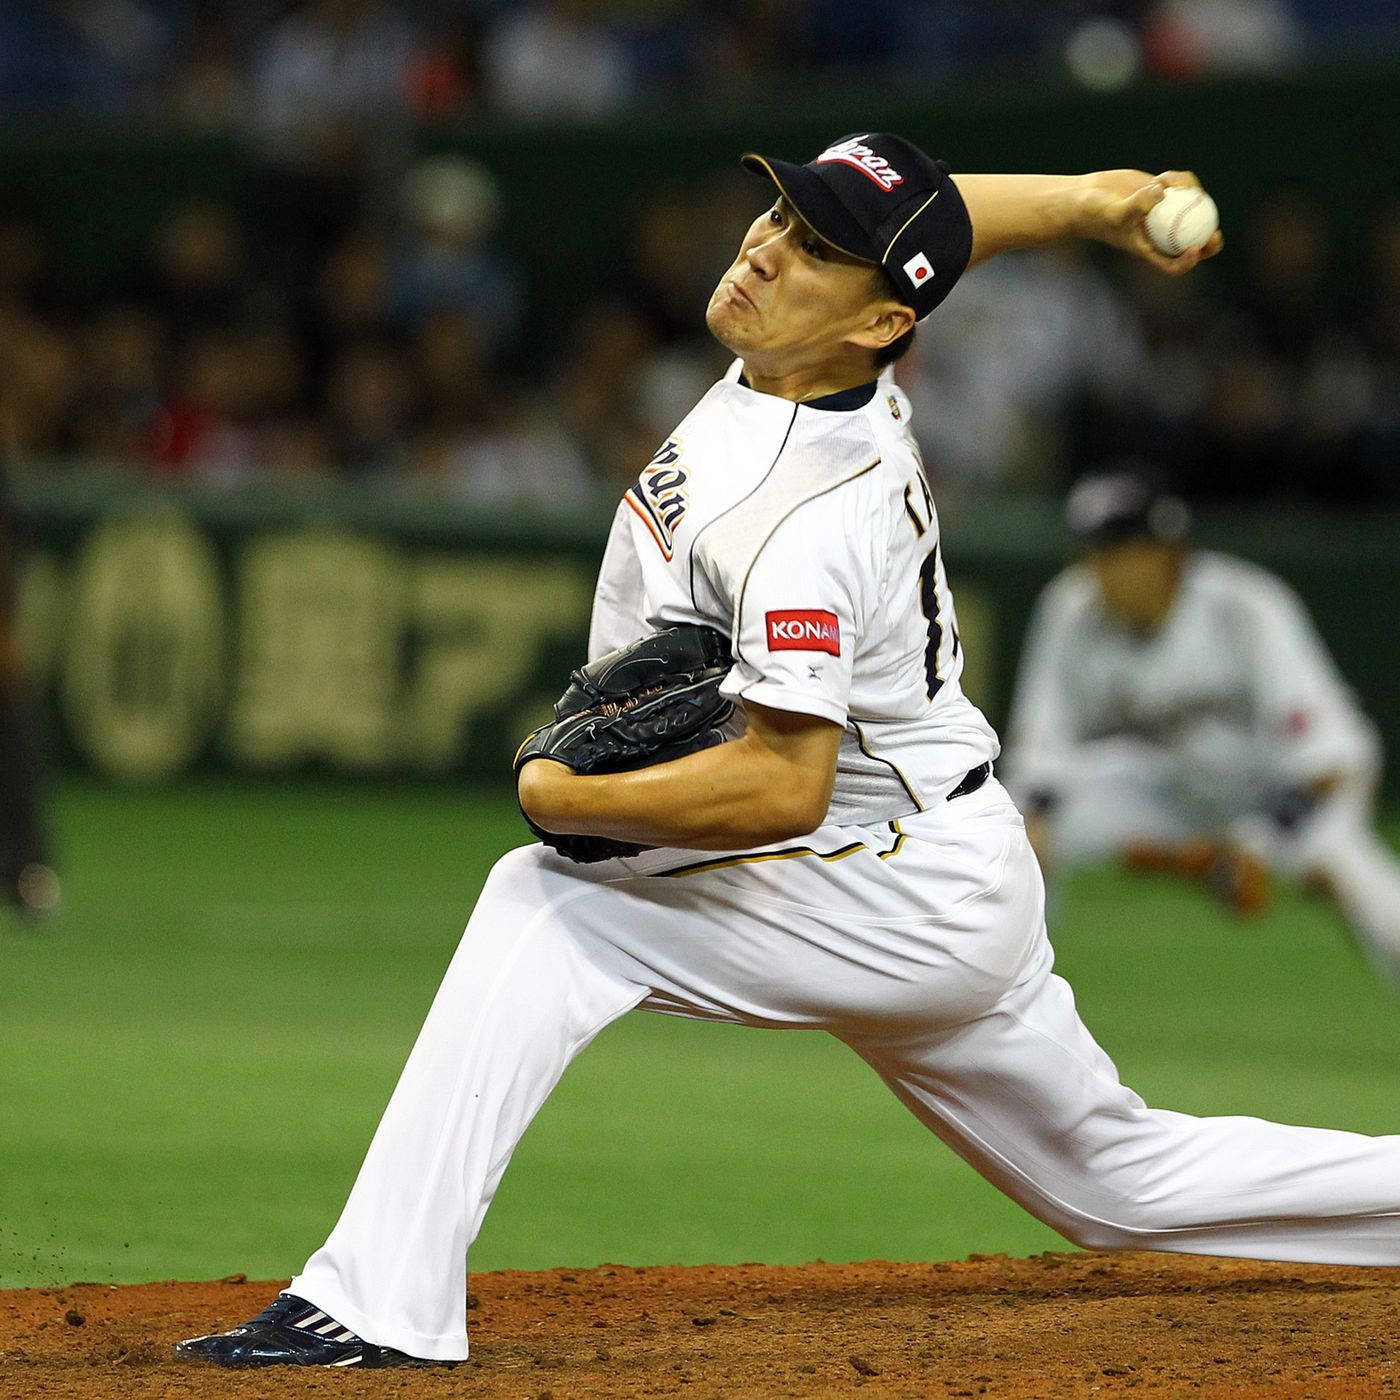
[(790, 295)]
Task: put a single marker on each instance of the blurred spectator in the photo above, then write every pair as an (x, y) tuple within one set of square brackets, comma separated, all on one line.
[(123, 354), (330, 102), (554, 58), (310, 77), (197, 278), (25, 283), (332, 62), (209, 84), (350, 297), (99, 54), (1285, 287), (516, 455), (38, 391), (446, 262), (609, 342), (1291, 386), (484, 443), (443, 78), (206, 426), (369, 410), (452, 365), (295, 447), (1188, 37)]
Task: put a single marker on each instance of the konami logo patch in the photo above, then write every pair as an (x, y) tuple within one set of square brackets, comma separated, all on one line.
[(804, 630)]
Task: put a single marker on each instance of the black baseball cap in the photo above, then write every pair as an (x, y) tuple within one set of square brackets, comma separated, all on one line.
[(1127, 503), (879, 198)]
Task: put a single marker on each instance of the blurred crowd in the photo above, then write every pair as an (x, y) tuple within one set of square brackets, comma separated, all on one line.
[(275, 64), (363, 314), (406, 350), (400, 351)]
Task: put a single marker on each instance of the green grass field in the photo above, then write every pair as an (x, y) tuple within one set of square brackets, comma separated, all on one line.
[(194, 1055)]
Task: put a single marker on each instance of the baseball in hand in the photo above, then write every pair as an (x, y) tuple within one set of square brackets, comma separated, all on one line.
[(1183, 218)]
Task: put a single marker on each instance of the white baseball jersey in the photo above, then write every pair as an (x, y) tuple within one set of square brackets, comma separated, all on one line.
[(1236, 685), (802, 531)]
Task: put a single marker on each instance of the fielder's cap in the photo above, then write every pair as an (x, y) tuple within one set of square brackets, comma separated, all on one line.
[(1129, 502), (879, 198)]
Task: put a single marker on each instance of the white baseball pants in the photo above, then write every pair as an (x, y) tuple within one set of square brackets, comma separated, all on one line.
[(922, 945)]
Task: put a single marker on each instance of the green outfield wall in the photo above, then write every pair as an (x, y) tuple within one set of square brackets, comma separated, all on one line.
[(350, 632)]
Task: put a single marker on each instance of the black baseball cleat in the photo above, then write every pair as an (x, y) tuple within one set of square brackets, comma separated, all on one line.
[(292, 1332)]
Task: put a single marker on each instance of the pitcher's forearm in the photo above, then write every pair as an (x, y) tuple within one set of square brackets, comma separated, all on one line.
[(729, 797), (1109, 206), (1022, 211)]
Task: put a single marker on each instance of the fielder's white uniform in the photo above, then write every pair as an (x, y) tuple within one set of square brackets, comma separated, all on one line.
[(1197, 729), (909, 924)]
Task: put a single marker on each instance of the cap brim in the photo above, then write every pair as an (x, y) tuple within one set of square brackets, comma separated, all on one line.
[(809, 195)]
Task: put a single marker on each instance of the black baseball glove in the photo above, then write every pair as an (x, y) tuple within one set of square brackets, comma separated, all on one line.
[(647, 703)]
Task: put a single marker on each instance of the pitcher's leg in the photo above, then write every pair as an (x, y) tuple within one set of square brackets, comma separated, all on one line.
[(1031, 1101), (519, 1001)]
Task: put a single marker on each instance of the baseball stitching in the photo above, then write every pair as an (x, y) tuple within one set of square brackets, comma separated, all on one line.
[(1174, 228)]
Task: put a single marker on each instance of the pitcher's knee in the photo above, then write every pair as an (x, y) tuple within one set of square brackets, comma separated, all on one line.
[(529, 872), (517, 863)]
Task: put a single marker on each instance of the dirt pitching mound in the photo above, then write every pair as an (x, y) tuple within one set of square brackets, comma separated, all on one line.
[(1059, 1324)]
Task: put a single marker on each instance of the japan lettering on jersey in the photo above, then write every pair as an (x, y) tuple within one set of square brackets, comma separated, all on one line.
[(659, 497)]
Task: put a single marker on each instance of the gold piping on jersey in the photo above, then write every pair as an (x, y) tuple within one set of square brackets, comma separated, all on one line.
[(699, 534), (900, 838), (919, 527), (888, 762), (699, 867), (788, 853), (763, 544)]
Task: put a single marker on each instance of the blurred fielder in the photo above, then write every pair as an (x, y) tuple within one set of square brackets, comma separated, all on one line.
[(1176, 708), (840, 857)]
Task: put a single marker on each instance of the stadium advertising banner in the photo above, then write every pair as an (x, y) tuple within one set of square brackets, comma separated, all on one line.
[(168, 640), (353, 633)]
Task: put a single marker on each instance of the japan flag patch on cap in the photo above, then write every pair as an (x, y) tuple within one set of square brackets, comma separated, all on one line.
[(918, 269)]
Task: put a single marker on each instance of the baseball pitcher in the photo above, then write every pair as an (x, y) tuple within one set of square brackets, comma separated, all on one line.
[(767, 801), (1176, 708)]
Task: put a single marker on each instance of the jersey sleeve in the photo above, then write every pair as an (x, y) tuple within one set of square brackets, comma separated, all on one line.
[(799, 614), (617, 620), (1043, 732), (1303, 708)]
